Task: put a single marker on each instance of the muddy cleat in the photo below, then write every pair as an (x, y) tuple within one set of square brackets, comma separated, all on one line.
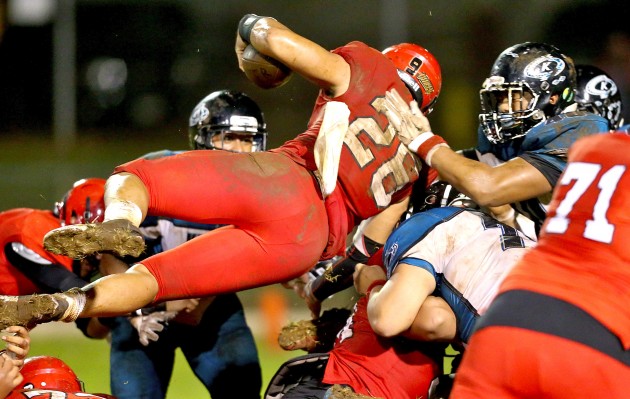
[(316, 335), (80, 240), (345, 392), (30, 310), (298, 335)]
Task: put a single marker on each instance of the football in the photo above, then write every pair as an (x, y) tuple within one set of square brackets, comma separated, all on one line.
[(263, 71)]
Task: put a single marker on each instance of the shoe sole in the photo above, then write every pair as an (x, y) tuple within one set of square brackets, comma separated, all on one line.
[(25, 311), (79, 241)]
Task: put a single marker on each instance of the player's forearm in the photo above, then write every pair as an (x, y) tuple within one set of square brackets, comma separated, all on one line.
[(385, 319), (435, 322), (468, 176)]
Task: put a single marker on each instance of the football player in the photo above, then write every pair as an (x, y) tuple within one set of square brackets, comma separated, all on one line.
[(598, 93), (25, 266), (560, 326), (528, 120), (287, 208), (47, 377), (450, 249), (211, 332)]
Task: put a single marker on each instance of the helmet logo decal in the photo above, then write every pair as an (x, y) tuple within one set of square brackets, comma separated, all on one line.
[(543, 68), (601, 86), (426, 83), (389, 255), (199, 114)]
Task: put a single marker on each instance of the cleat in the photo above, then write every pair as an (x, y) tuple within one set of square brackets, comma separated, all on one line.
[(78, 241), (31, 310), (298, 335)]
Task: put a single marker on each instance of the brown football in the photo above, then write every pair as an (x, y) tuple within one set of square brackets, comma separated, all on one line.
[(265, 72)]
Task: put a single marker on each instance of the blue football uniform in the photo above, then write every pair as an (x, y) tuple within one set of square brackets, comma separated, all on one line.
[(468, 252), (545, 147)]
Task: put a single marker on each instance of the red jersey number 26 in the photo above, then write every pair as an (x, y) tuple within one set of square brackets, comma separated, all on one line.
[(598, 228)]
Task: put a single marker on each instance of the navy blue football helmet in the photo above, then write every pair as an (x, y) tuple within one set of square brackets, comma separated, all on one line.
[(224, 112), (531, 71), (598, 93)]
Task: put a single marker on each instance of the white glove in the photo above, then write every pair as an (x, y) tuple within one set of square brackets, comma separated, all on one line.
[(148, 326), (406, 119)]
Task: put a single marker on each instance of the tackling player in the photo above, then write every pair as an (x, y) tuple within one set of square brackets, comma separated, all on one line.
[(560, 326), (211, 332), (528, 120), (449, 249)]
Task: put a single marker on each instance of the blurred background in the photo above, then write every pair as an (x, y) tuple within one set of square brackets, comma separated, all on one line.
[(89, 84)]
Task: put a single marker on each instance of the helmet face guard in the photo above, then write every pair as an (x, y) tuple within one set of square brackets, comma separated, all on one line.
[(207, 140), (539, 70), (501, 126), (224, 116), (244, 128), (440, 194)]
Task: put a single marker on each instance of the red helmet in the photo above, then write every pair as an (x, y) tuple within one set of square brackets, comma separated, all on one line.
[(84, 203), (420, 72), (47, 372)]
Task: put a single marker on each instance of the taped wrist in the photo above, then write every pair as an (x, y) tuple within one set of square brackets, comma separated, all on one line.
[(246, 24), (425, 144)]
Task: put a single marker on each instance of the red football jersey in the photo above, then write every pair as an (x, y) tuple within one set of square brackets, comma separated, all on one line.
[(582, 255), (375, 168), (28, 227), (377, 366)]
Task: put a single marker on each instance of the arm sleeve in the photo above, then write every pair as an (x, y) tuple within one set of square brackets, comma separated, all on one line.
[(50, 276), (339, 276)]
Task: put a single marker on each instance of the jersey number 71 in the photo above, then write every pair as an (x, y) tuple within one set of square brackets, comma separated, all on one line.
[(598, 228)]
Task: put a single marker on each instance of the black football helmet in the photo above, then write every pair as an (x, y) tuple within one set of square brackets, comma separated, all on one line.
[(225, 111), (597, 93), (538, 70)]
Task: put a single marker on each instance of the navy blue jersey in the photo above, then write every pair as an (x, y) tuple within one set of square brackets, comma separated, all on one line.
[(545, 147)]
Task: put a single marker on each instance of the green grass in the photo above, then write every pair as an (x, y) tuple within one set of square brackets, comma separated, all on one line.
[(90, 360)]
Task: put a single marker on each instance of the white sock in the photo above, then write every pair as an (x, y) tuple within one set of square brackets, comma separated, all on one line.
[(122, 209)]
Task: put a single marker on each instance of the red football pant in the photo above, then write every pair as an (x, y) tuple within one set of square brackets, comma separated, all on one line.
[(279, 223)]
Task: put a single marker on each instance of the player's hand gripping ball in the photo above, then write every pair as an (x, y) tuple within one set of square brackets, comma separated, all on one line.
[(265, 72)]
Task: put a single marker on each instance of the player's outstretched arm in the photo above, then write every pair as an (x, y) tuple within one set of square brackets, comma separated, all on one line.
[(509, 182), (327, 70)]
